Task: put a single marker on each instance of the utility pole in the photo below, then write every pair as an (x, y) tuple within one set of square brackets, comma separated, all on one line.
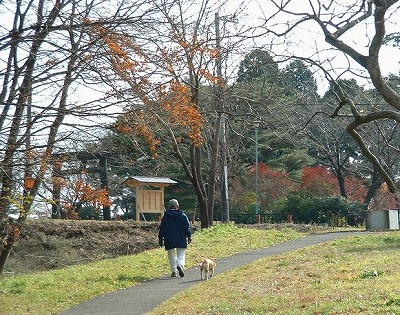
[(258, 216), (220, 106), (256, 179)]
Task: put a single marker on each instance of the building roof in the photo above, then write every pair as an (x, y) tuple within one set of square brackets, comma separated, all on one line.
[(146, 180)]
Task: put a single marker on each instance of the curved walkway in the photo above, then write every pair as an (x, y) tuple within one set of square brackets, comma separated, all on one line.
[(142, 298)]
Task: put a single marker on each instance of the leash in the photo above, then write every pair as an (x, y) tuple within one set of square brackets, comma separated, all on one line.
[(197, 252)]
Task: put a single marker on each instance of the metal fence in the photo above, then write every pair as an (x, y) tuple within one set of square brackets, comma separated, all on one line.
[(245, 218)]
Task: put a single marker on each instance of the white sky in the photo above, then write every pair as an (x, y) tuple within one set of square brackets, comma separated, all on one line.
[(305, 41), (308, 40)]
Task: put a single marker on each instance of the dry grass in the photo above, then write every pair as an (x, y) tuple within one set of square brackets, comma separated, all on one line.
[(355, 275), (52, 244)]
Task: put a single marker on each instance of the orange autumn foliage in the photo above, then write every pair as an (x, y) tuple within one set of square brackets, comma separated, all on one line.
[(134, 122), (274, 184), (181, 111), (82, 193), (173, 101), (355, 189), (318, 181), (118, 47)]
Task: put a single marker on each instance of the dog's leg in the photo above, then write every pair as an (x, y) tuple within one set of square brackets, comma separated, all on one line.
[(202, 275)]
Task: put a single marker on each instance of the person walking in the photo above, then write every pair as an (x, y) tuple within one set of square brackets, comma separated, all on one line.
[(175, 234)]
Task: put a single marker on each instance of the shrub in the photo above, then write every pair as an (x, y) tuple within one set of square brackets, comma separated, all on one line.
[(307, 209)]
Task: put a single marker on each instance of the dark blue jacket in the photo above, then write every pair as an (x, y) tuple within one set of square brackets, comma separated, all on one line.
[(174, 229)]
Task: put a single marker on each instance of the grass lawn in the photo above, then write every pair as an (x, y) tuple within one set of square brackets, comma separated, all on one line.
[(53, 291), (356, 275)]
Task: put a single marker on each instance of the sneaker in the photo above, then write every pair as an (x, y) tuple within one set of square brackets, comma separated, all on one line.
[(180, 270), (173, 275)]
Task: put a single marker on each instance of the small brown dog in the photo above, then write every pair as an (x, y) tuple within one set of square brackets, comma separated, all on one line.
[(207, 268)]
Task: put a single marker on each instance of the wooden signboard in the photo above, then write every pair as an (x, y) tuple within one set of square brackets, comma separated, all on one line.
[(149, 200)]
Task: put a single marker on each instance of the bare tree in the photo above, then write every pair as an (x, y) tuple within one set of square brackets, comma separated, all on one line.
[(47, 65), (339, 23)]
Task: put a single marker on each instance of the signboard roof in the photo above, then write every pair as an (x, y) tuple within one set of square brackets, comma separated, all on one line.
[(147, 180)]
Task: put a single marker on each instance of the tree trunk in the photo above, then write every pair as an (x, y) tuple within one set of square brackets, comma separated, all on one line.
[(340, 178), (5, 252), (373, 188)]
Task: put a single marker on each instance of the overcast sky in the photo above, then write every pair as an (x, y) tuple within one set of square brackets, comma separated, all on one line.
[(308, 40)]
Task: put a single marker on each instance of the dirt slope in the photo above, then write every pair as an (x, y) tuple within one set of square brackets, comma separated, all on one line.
[(50, 244)]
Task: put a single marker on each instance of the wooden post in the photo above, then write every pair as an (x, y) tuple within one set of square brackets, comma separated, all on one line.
[(56, 179), (104, 185)]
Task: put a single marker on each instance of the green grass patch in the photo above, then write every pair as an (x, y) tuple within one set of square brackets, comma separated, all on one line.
[(354, 275), (53, 291)]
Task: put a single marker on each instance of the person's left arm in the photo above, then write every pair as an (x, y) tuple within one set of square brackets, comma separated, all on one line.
[(161, 232), (187, 228)]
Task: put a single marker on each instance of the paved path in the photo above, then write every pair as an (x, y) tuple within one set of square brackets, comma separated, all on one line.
[(142, 298)]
